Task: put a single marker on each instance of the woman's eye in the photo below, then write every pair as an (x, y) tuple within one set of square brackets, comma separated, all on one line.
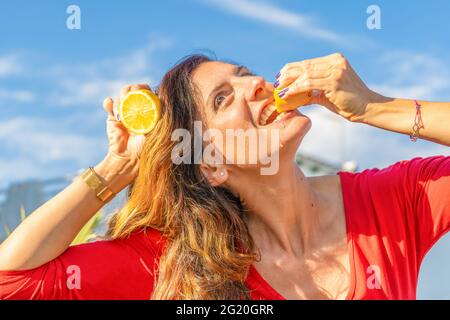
[(219, 100)]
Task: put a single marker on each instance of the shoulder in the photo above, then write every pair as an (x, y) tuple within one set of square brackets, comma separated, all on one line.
[(141, 243), (328, 186), (403, 174), (329, 189), (143, 240)]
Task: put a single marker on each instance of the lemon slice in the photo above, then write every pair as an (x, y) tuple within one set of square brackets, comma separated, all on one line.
[(139, 111), (295, 101), (278, 101)]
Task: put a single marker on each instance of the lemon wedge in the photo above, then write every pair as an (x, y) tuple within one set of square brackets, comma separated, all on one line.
[(295, 101), (278, 101)]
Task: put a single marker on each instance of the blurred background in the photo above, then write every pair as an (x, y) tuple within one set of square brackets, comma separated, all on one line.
[(55, 73)]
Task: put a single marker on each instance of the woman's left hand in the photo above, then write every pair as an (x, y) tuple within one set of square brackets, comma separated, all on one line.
[(333, 83)]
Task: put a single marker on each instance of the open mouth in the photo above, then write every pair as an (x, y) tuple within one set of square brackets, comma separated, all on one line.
[(269, 115)]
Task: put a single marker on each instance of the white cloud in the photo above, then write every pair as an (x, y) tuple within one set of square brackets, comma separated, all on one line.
[(414, 75), (84, 84), (31, 145), (20, 96), (335, 140), (79, 85), (9, 65), (76, 92), (271, 14), (47, 140), (17, 169)]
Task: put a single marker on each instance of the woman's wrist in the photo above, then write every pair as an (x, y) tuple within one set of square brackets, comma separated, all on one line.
[(117, 171), (374, 105)]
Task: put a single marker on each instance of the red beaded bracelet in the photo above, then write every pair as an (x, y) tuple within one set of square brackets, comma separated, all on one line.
[(418, 124)]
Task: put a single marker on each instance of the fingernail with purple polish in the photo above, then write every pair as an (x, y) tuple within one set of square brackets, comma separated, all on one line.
[(278, 75), (276, 84), (282, 92)]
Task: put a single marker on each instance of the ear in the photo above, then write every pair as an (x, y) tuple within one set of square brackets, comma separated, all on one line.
[(216, 175)]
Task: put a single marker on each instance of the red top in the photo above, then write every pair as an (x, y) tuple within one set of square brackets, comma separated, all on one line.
[(394, 216)]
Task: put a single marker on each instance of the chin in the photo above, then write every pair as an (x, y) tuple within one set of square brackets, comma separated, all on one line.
[(295, 129)]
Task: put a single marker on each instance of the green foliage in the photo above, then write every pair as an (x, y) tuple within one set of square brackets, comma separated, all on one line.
[(7, 229), (22, 218), (88, 231), (23, 215)]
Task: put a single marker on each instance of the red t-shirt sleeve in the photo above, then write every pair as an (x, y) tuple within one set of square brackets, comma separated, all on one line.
[(428, 189), (394, 216), (113, 269), (411, 199), (417, 200)]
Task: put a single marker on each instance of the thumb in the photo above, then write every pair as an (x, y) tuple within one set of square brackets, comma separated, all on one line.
[(320, 98), (316, 96)]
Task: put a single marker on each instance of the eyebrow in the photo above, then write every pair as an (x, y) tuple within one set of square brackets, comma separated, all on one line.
[(239, 70)]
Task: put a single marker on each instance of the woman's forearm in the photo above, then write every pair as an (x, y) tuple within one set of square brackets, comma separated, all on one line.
[(49, 230), (398, 115)]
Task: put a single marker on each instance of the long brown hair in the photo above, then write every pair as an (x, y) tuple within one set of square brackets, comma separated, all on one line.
[(208, 247)]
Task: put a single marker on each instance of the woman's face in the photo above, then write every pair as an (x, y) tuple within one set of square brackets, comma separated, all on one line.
[(232, 98)]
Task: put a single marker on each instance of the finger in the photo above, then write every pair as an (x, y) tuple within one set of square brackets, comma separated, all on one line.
[(140, 86), (125, 90), (108, 106), (320, 60), (294, 75), (116, 105), (317, 97), (116, 131), (321, 71), (291, 70), (300, 64), (114, 124), (309, 86)]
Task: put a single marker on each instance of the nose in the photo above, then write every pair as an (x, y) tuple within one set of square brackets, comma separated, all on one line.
[(257, 89)]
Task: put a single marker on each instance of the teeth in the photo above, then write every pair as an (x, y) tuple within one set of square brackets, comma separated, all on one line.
[(267, 112), (278, 118), (271, 107), (263, 119)]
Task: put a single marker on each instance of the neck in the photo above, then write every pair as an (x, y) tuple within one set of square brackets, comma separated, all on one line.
[(282, 209)]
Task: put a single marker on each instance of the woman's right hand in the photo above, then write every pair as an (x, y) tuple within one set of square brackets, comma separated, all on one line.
[(334, 83), (124, 148)]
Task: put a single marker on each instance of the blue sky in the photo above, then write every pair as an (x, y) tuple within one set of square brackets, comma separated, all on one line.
[(53, 80)]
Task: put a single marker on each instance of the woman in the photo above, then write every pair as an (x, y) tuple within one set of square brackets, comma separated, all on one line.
[(225, 231)]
